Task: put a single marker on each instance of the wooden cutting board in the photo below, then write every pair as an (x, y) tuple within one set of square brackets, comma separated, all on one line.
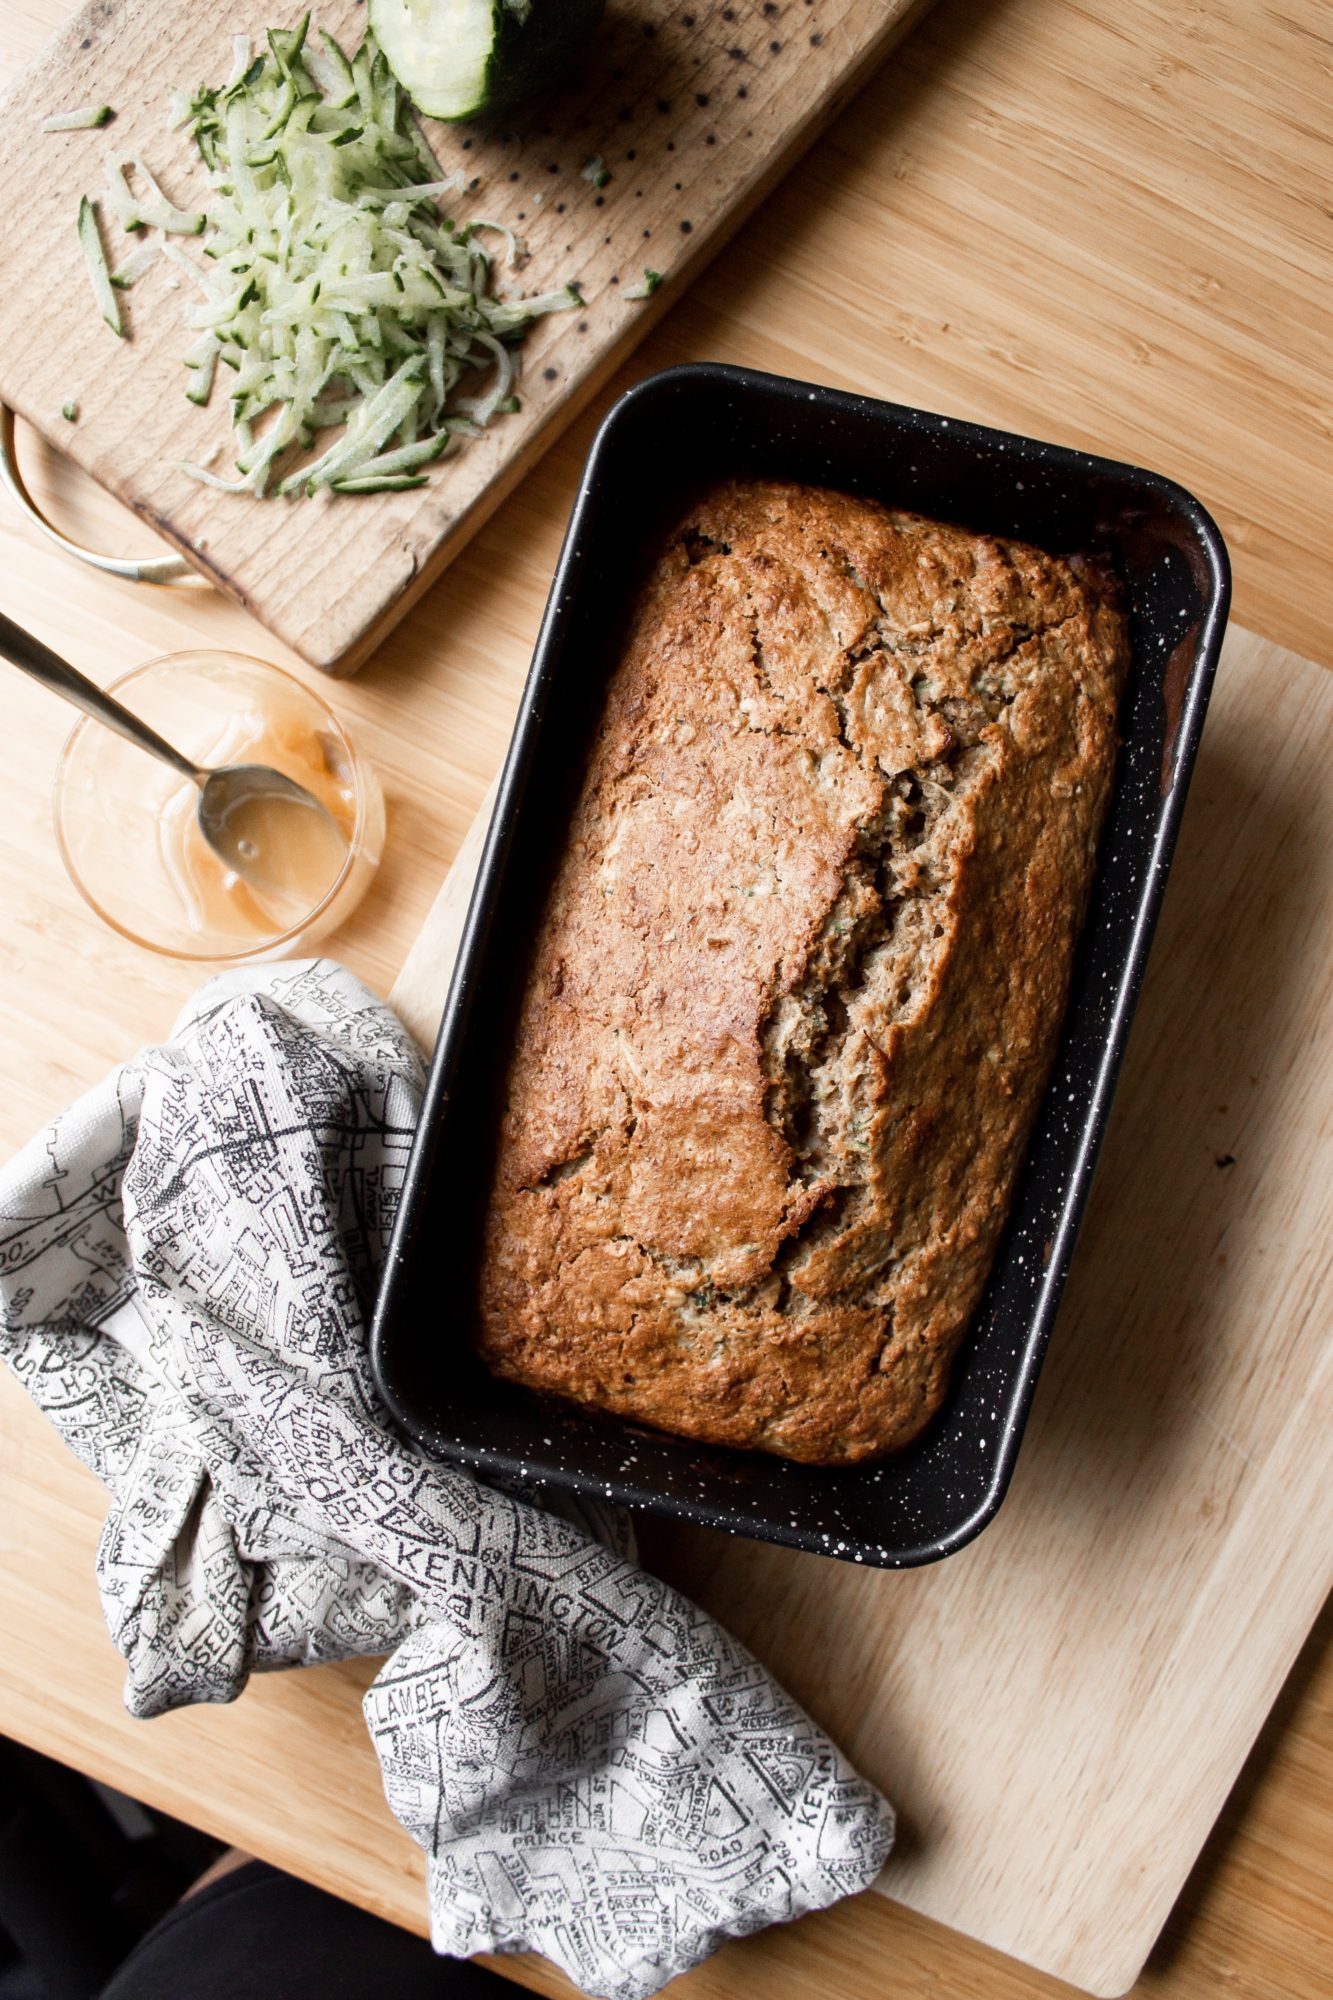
[(695, 110), (1060, 1710)]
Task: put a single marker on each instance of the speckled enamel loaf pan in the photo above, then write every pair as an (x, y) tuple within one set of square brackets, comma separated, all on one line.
[(660, 445)]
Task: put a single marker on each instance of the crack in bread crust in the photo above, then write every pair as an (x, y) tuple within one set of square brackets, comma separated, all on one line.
[(800, 978)]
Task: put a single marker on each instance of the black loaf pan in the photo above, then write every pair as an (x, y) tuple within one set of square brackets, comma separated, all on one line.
[(658, 448)]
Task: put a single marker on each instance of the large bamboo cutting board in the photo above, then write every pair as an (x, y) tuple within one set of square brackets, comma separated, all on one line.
[(694, 109), (1060, 1710)]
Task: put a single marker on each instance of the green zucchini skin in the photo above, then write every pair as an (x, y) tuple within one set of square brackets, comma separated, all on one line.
[(540, 51), (530, 51)]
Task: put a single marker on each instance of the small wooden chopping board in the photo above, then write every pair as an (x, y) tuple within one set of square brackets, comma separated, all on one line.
[(693, 110), (1059, 1710)]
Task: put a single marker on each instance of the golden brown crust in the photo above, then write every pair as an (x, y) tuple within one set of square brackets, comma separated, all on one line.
[(801, 974)]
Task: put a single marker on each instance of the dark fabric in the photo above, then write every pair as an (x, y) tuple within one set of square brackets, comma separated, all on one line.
[(259, 1935)]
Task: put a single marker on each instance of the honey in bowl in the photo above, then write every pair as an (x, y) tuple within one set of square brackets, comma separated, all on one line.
[(298, 854), (129, 829)]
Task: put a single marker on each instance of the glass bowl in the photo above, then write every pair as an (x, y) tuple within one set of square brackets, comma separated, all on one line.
[(128, 830)]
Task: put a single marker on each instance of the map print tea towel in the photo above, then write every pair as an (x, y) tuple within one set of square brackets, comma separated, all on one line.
[(595, 1769)]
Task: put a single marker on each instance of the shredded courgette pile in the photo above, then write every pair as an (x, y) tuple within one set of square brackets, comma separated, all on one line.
[(332, 287)]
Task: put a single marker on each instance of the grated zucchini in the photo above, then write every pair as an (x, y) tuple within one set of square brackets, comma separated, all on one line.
[(86, 119), (90, 241), (336, 293)]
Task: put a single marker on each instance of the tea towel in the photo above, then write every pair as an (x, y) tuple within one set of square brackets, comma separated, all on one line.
[(596, 1770)]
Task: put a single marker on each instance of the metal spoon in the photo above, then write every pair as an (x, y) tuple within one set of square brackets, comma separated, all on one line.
[(247, 812)]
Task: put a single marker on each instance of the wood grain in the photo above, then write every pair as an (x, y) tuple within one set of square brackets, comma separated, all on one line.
[(1106, 227), (694, 114), (418, 992)]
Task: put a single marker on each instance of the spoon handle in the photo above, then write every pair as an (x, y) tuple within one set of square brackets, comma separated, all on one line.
[(34, 658)]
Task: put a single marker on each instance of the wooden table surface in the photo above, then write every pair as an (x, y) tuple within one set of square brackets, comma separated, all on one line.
[(1109, 227)]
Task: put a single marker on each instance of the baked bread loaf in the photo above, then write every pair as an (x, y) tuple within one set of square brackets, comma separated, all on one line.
[(798, 984)]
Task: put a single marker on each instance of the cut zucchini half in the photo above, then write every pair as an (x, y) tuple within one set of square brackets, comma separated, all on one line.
[(462, 58)]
